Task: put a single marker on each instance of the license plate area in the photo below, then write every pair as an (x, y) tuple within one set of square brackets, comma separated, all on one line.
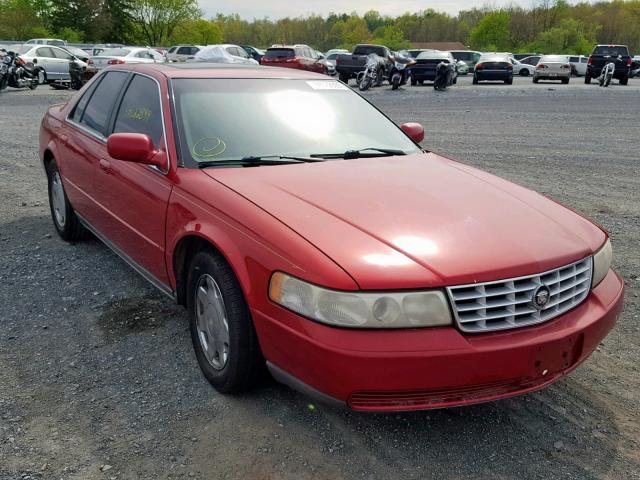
[(555, 357)]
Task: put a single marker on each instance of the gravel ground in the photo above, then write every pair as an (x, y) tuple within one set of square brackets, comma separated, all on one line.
[(98, 379)]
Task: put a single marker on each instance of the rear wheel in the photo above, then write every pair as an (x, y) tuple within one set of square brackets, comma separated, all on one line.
[(64, 217), (524, 72), (475, 80), (42, 76), (536, 80), (624, 80), (414, 82), (565, 81), (344, 78), (222, 331), (509, 81), (587, 79)]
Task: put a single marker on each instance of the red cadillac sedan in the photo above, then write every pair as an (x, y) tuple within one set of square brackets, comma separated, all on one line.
[(304, 231)]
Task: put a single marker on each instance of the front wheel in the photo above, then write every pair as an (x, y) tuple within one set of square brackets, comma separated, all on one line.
[(365, 83), (64, 217), (395, 81), (222, 332), (524, 72)]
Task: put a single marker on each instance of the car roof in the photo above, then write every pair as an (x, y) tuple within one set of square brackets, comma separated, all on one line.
[(219, 70)]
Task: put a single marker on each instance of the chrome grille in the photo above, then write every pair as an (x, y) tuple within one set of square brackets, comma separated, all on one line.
[(505, 304)]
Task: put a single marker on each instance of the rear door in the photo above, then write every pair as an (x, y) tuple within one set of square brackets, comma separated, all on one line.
[(133, 196), (83, 143), (62, 60), (48, 61)]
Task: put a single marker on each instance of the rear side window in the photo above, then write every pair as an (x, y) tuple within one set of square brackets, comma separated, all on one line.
[(61, 54), (82, 103), (184, 51), (611, 50), (140, 110), (45, 52), (280, 53), (97, 112)]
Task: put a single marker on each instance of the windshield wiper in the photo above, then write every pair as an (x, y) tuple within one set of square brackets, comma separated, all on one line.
[(361, 153), (256, 161)]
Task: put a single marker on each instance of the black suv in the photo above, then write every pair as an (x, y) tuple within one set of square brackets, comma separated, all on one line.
[(603, 54)]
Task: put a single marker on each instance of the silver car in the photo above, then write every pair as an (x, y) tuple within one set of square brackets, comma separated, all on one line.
[(54, 60), (553, 67), (182, 53), (116, 56)]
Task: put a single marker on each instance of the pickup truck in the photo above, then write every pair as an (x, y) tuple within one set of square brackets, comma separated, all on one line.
[(348, 65), (603, 54)]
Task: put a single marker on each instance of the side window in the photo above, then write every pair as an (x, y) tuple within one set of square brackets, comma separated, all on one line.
[(96, 114), (82, 103), (44, 52), (61, 54), (231, 51), (184, 50), (172, 49), (584, 60), (573, 59), (140, 110), (193, 50)]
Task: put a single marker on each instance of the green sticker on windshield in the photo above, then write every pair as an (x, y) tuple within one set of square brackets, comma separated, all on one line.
[(208, 147)]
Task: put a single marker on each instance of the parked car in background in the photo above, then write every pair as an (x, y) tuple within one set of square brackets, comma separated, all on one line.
[(46, 41), (463, 68), (182, 53), (490, 292), (578, 65), (335, 51), (531, 60), (426, 64), (224, 53), (348, 65), (253, 52), (300, 57), (331, 67), (493, 67), (331, 57), (101, 47), (635, 67), (522, 69), (470, 57), (119, 56), (553, 67), (603, 54), (522, 56), (54, 60)]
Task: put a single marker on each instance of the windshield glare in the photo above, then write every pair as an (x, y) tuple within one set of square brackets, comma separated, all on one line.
[(230, 119)]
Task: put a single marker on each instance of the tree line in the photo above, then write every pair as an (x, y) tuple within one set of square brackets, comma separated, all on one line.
[(549, 26)]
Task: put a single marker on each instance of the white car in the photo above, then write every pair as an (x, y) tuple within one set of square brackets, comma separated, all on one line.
[(54, 60), (522, 69), (579, 65), (182, 53), (116, 56), (224, 53), (46, 41), (553, 67)]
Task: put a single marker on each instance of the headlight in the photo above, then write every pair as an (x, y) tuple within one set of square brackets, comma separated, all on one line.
[(601, 263), (427, 308)]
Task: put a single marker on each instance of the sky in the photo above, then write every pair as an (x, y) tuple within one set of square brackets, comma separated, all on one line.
[(274, 9)]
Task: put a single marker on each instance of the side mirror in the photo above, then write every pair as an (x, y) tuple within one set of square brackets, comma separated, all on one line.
[(414, 131), (35, 60), (135, 148)]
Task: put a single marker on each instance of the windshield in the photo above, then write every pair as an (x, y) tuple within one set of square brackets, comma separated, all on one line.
[(231, 119)]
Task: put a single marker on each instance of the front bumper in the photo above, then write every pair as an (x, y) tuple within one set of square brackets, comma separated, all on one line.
[(396, 370)]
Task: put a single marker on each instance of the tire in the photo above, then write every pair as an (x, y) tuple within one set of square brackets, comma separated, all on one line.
[(395, 81), (222, 332), (475, 80), (508, 81), (42, 76), (344, 78), (587, 79), (524, 72), (565, 81), (365, 84), (64, 218), (624, 81), (536, 80), (414, 82), (455, 81), (380, 78)]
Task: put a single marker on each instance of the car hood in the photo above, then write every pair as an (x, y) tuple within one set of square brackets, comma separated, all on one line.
[(417, 221)]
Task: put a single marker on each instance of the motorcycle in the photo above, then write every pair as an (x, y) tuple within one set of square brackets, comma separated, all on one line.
[(401, 71), (77, 78), (21, 74), (373, 73), (444, 76), (606, 74), (4, 70)]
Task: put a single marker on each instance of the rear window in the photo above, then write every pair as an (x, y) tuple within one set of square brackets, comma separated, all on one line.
[(369, 50), (611, 50), (280, 53), (554, 58), (115, 52)]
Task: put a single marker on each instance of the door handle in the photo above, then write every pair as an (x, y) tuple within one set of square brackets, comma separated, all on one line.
[(105, 165), (64, 139)]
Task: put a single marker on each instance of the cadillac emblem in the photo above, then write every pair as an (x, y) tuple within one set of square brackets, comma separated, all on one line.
[(541, 297)]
